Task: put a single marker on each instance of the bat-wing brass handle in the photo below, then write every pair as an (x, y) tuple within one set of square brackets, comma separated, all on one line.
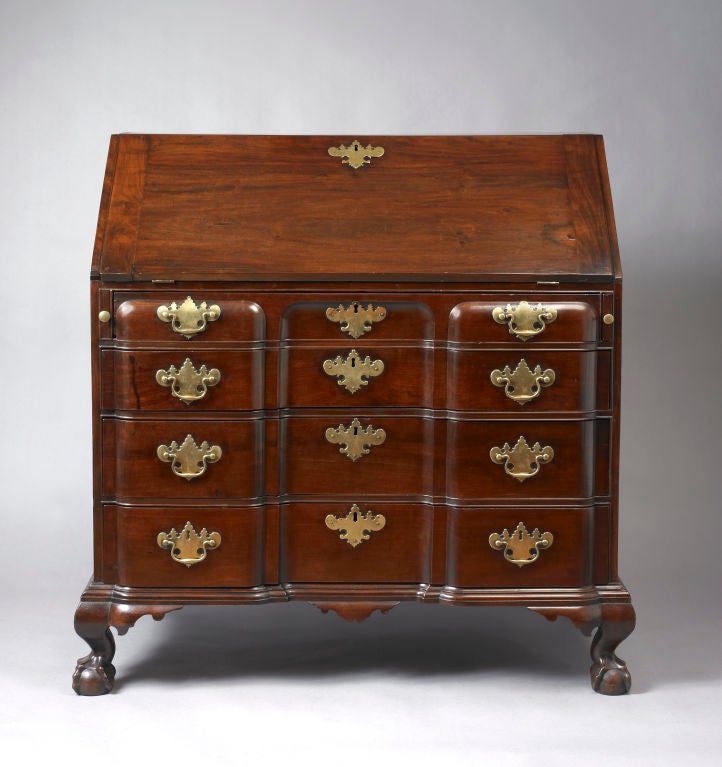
[(189, 460), (186, 383), (521, 461), (521, 547), (524, 320), (188, 318), (188, 547)]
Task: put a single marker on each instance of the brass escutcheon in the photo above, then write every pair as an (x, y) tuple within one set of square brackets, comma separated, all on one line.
[(521, 547), (356, 527), (189, 460), (523, 384), (187, 383), (524, 320), (354, 318), (521, 461), (353, 372), (356, 154), (189, 318), (356, 440), (188, 547)]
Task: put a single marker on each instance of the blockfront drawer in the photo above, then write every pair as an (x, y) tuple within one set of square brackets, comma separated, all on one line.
[(356, 376), (184, 381), (188, 547), (354, 318), (202, 318), (523, 381), (525, 319), (343, 454), (520, 459), (364, 542), (182, 459), (520, 547)]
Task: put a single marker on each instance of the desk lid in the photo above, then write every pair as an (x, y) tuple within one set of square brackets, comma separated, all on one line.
[(427, 208)]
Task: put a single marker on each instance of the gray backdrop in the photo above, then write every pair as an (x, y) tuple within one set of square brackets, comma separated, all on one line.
[(424, 681)]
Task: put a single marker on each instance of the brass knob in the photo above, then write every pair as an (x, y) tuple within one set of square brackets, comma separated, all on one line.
[(608, 319), (104, 316)]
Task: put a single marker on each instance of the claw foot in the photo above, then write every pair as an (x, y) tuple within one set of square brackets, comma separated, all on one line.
[(93, 675)]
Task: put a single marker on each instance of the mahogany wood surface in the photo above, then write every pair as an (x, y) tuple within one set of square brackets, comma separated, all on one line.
[(439, 231), (217, 207)]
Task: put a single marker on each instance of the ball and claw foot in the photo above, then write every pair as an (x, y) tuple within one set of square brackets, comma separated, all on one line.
[(609, 673), (93, 675)]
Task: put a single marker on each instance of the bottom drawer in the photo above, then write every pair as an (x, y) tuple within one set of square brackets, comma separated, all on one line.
[(234, 559), (562, 559), (397, 548)]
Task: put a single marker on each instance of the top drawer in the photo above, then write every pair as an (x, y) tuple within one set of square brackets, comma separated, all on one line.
[(525, 320), (354, 318), (198, 318)]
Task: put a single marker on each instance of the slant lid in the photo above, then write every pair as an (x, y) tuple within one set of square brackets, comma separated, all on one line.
[(427, 208)]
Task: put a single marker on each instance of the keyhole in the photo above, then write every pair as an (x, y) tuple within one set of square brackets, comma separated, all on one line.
[(355, 431), (355, 147), (355, 516), (355, 308), (353, 362)]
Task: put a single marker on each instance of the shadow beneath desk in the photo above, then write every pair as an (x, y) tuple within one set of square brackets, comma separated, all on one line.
[(297, 641)]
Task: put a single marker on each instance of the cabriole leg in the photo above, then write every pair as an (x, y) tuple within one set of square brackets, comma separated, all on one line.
[(609, 673), (95, 672)]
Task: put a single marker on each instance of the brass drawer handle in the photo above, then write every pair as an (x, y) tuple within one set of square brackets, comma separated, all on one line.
[(521, 547), (188, 547), (523, 384), (353, 372), (356, 527), (356, 154), (524, 320), (521, 461), (189, 460), (355, 440), (354, 319), (186, 383), (189, 318)]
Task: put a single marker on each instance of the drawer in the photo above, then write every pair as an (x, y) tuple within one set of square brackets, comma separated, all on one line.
[(132, 468), (406, 378), (399, 460), (473, 563), (312, 552), (236, 561), (574, 321), (231, 381), (136, 318), (471, 473), (540, 380), (353, 318)]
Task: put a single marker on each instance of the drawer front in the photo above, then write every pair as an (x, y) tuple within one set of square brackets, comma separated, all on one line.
[(562, 560), (136, 319), (313, 552), (572, 322), (406, 378), (568, 473), (522, 382), (132, 468), (351, 318), (235, 561), (184, 382), (398, 458)]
